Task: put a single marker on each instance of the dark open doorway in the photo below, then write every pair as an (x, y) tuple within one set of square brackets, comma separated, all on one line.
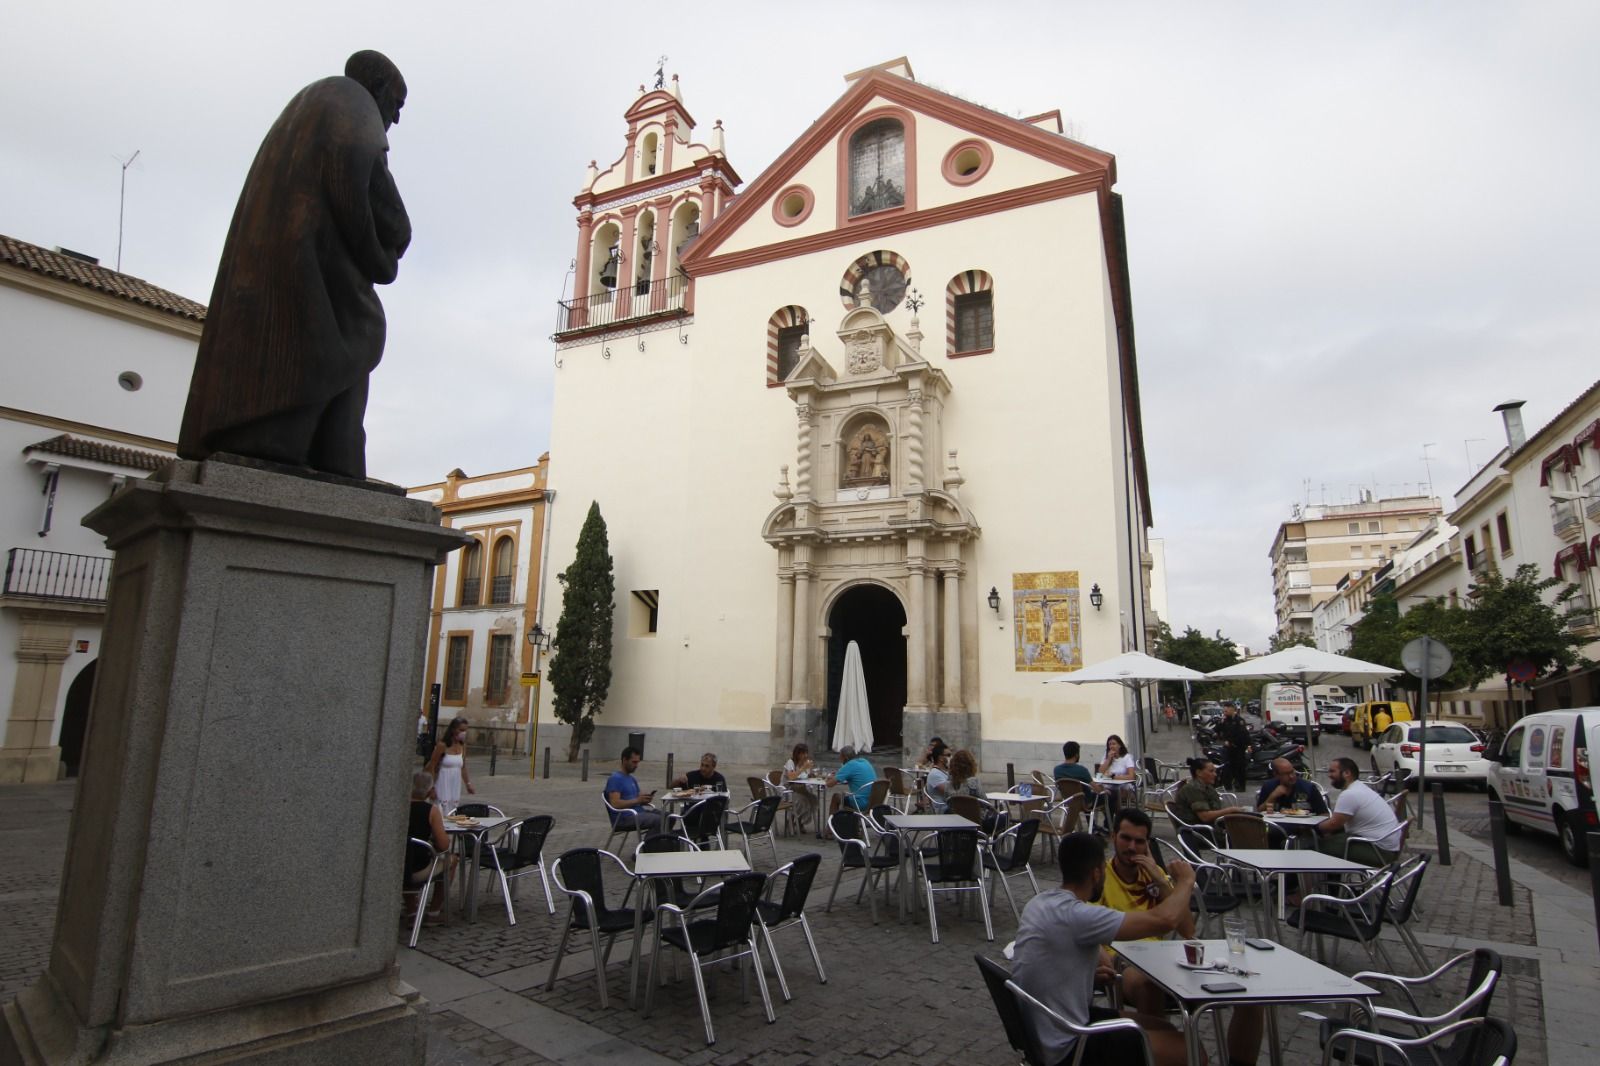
[(871, 616), (75, 718)]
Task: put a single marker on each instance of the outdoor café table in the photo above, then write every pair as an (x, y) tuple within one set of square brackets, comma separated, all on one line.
[(676, 797), (1296, 825), (1271, 862), (651, 865), (1272, 978), (908, 825), (472, 831)]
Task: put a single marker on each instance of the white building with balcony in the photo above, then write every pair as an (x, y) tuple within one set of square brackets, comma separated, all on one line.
[(96, 370)]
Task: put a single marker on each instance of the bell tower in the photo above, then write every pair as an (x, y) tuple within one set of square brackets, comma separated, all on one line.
[(638, 215)]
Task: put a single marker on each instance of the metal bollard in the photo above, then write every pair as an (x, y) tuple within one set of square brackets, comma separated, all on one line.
[(1497, 838), (1440, 829), (494, 755), (669, 771), (1011, 777), (547, 764), (585, 764), (1594, 874)]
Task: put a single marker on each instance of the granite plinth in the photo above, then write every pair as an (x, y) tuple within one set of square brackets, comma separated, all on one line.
[(231, 888)]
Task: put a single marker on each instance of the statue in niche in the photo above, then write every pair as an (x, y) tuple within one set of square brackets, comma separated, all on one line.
[(867, 457)]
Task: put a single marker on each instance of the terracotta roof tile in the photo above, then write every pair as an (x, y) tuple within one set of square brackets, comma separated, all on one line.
[(39, 260), (100, 452)]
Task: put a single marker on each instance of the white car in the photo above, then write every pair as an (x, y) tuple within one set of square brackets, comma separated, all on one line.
[(1330, 716), (1454, 752)]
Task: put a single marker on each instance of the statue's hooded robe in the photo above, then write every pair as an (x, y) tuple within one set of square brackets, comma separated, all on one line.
[(294, 320)]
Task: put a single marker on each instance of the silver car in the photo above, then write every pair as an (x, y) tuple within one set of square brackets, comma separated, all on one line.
[(1454, 752)]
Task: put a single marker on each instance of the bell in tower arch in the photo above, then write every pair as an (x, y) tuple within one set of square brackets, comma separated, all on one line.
[(608, 273)]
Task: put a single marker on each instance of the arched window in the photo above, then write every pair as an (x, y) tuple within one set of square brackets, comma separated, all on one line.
[(644, 252), (605, 258), (685, 228), (877, 167), (787, 327), (651, 148), (505, 570), (471, 574), (969, 313)]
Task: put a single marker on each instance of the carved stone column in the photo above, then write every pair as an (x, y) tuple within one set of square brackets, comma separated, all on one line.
[(798, 690), (913, 443), (580, 275), (785, 649), (952, 641), (916, 639), (930, 614), (804, 456)]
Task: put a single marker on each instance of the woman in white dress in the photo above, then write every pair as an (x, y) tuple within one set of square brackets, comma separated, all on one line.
[(449, 766)]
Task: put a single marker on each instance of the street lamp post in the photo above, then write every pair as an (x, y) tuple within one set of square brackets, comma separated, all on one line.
[(539, 640)]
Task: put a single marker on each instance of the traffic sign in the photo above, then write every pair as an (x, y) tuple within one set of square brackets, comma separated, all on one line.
[(1426, 658), (530, 680)]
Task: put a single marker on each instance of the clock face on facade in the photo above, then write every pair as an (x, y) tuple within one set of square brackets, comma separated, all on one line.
[(878, 279)]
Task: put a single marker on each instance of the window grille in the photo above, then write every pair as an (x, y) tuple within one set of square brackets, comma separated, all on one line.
[(455, 669), (499, 685), (974, 321)]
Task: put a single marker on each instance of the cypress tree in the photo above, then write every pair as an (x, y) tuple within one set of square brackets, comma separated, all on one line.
[(580, 668)]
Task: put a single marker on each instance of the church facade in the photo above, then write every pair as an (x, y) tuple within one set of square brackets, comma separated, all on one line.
[(885, 393)]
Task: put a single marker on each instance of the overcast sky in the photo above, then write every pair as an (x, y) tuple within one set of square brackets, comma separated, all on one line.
[(1354, 228)]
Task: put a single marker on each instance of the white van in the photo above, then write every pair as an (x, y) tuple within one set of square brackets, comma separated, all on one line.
[(1541, 774), (1284, 705)]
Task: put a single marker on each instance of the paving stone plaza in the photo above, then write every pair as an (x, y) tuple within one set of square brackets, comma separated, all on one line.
[(891, 996)]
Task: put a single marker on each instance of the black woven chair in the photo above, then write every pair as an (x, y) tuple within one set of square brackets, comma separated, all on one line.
[(669, 889), (1018, 1034), (1007, 857), (1468, 1047), (522, 858), (702, 822), (789, 912), (860, 848), (756, 819), (579, 873), (1493, 1042), (708, 941), (956, 869), (1359, 918)]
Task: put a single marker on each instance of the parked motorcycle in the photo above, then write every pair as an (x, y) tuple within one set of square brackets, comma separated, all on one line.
[(1262, 756)]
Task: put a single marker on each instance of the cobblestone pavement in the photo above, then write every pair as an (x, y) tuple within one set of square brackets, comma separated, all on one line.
[(891, 995)]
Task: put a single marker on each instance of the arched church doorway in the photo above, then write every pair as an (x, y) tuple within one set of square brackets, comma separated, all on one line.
[(871, 616), (75, 718)]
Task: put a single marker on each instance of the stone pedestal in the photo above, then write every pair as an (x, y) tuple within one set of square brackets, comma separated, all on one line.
[(231, 890)]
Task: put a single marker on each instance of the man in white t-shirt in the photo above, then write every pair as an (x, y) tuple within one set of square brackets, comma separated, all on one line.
[(1058, 953), (1358, 812)]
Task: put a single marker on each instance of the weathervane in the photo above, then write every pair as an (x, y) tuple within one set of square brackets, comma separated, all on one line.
[(661, 72)]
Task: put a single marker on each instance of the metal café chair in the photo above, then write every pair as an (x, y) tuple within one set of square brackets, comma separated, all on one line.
[(1490, 1040), (477, 810), (702, 822), (708, 941), (1359, 917), (437, 865), (624, 820), (858, 850), (957, 869), (756, 820), (1007, 856), (901, 790), (668, 889), (789, 912), (523, 857), (1470, 1047), (1029, 1005), (1249, 831), (580, 874)]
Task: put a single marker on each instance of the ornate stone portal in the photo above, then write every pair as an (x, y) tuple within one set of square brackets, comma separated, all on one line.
[(869, 506)]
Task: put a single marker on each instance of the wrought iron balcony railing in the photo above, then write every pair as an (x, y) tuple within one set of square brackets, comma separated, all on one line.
[(57, 575), (626, 303)]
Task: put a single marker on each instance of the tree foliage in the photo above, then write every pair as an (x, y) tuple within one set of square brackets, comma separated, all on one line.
[(1383, 632), (1513, 622), (1198, 652), (1279, 642), (580, 668)]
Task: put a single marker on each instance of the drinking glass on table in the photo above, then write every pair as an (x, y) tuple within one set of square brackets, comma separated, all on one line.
[(1234, 930)]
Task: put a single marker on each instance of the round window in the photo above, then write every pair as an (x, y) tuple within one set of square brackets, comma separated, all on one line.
[(878, 280), (130, 380)]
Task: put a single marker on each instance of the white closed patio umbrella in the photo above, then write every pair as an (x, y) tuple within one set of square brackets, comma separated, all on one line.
[(1306, 667), (854, 724), (1132, 670)]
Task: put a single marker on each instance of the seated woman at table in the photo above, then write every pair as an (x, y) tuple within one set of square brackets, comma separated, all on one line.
[(1118, 763), (800, 765), (425, 823), (964, 775), (938, 785), (1286, 789)]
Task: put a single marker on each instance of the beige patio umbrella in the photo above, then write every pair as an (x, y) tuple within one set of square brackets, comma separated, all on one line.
[(1132, 670), (1306, 667)]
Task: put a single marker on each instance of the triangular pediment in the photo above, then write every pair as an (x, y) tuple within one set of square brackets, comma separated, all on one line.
[(798, 197), (812, 367)]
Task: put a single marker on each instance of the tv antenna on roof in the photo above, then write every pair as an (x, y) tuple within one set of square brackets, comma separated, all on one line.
[(122, 197), (1427, 464), (661, 72)]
